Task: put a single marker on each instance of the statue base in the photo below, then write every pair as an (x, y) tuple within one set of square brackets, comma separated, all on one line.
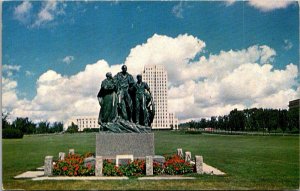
[(108, 145), (122, 126)]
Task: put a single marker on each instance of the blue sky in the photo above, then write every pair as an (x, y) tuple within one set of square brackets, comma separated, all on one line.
[(65, 37)]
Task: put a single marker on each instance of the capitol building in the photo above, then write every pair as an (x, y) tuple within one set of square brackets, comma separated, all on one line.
[(157, 78)]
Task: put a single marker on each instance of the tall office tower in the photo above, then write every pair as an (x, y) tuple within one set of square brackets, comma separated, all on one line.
[(157, 79)]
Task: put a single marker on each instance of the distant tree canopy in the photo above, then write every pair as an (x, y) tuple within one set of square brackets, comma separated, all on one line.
[(21, 126), (270, 120), (72, 128)]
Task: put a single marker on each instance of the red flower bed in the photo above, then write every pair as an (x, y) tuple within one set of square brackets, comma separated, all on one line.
[(73, 165), (176, 165)]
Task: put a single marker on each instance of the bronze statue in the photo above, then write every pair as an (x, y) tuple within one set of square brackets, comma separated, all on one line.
[(140, 101), (124, 82), (107, 98), (116, 113)]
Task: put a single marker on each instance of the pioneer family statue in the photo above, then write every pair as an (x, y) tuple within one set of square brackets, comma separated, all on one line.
[(126, 106)]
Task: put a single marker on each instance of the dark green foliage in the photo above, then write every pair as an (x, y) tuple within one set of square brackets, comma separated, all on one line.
[(56, 127), (43, 127), (5, 123), (263, 120), (90, 130), (24, 125), (9, 133), (72, 129)]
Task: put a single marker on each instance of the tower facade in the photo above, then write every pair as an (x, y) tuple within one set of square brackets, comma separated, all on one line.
[(157, 78)]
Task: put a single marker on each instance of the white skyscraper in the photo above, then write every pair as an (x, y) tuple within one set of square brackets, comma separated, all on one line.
[(157, 78)]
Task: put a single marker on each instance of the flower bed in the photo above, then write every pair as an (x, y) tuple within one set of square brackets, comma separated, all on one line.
[(73, 165)]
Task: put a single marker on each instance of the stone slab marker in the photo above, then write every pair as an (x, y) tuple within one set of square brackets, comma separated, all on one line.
[(48, 165), (136, 144), (61, 156), (149, 165), (188, 156), (71, 151), (199, 164), (180, 152), (99, 166)]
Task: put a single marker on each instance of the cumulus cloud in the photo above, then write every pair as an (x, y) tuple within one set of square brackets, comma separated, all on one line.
[(208, 86), (22, 12), (68, 59), (269, 5)]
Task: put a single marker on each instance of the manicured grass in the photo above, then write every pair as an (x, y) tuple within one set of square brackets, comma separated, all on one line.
[(251, 162)]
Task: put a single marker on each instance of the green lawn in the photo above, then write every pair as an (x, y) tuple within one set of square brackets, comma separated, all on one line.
[(251, 162)]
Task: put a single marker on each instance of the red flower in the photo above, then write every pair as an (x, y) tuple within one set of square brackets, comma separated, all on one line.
[(65, 168)]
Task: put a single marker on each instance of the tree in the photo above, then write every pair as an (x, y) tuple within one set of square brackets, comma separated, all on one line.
[(237, 120), (56, 127), (24, 125), (293, 119), (5, 123), (43, 127), (72, 129)]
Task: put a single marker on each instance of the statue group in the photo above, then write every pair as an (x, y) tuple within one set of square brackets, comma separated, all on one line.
[(126, 105)]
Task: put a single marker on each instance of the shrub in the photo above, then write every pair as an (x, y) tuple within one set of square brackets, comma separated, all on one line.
[(10, 133), (110, 169), (135, 168), (157, 168), (295, 131)]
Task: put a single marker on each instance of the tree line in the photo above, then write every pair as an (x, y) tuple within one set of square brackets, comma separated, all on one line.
[(21, 126), (24, 126), (255, 119)]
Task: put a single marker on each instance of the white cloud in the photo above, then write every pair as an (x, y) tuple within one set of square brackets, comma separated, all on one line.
[(287, 44), (178, 10), (171, 52), (265, 5), (204, 87), (22, 11), (269, 5), (11, 67), (68, 59), (10, 70), (9, 95)]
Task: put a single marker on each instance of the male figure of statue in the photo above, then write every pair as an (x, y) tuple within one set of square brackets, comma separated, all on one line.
[(140, 101), (107, 98), (124, 82)]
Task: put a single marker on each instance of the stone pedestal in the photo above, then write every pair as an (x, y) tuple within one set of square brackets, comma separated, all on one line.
[(71, 151), (188, 156), (149, 165), (199, 164), (48, 165), (180, 152), (99, 166), (61, 156), (108, 145)]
